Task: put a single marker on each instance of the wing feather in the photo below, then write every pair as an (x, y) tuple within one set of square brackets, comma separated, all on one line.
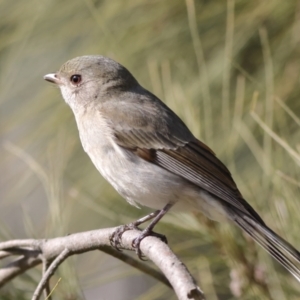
[(155, 133)]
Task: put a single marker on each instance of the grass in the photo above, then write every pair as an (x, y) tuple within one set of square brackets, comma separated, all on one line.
[(230, 69)]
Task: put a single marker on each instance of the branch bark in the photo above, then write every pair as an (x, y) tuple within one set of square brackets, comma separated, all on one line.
[(53, 252)]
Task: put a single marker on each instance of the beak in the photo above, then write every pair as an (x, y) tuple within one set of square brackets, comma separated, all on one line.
[(52, 77)]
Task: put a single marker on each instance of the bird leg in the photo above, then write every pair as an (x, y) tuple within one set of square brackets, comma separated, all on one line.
[(148, 230), (115, 238)]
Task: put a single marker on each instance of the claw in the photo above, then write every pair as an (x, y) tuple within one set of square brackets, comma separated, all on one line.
[(137, 241), (136, 245), (115, 238)]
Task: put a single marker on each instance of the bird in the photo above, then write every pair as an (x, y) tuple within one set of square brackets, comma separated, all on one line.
[(151, 158)]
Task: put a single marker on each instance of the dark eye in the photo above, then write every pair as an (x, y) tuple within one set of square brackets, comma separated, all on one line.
[(75, 79)]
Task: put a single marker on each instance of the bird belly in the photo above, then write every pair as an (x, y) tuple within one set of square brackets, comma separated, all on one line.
[(143, 183), (138, 181)]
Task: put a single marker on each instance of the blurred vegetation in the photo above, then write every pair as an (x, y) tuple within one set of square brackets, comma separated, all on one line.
[(230, 69)]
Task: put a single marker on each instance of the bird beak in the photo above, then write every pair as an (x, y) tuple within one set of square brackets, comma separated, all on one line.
[(52, 77)]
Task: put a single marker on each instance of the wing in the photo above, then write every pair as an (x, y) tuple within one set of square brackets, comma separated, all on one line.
[(155, 133)]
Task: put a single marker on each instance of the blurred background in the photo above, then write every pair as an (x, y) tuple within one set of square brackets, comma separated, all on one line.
[(230, 69)]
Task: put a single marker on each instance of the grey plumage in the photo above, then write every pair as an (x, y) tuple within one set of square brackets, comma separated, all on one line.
[(149, 155)]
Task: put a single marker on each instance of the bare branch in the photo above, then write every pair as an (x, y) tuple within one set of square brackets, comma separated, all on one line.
[(47, 290), (17, 267), (136, 263), (50, 271), (56, 250)]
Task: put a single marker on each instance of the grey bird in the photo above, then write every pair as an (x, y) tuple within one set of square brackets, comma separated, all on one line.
[(151, 158)]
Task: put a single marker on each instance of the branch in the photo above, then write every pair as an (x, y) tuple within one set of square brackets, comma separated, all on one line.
[(50, 271), (52, 252)]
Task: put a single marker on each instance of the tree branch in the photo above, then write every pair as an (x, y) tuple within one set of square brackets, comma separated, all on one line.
[(52, 252), (50, 271)]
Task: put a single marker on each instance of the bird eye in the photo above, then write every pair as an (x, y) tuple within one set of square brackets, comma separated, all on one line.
[(75, 79)]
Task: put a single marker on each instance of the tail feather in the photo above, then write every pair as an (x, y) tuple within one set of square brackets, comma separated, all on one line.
[(276, 246)]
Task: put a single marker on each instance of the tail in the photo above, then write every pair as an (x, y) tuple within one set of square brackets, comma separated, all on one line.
[(276, 246)]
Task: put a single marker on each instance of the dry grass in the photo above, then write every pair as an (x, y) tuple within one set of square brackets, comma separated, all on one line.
[(229, 69)]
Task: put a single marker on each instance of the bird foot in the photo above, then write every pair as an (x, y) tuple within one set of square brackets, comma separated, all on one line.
[(137, 241), (115, 238)]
